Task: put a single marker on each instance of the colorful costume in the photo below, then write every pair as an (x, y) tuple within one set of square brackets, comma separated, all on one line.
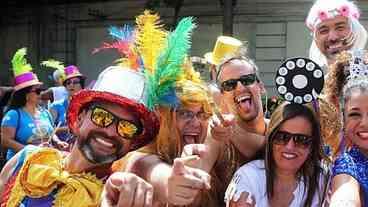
[(40, 180), (321, 11), (355, 164), (28, 129)]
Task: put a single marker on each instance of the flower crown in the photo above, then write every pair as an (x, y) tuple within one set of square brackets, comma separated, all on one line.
[(322, 11)]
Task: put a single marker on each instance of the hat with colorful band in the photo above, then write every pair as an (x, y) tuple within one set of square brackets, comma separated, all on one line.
[(299, 80), (72, 71), (23, 75)]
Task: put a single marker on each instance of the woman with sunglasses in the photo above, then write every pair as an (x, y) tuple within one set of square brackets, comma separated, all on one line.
[(73, 82), (350, 178), (24, 122), (292, 173)]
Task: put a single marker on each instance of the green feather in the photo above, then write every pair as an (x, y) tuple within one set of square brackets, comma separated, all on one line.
[(169, 63), (51, 63), (19, 62)]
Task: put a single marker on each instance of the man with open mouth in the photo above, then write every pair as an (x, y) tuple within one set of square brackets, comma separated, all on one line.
[(239, 138), (335, 27), (107, 121), (174, 181)]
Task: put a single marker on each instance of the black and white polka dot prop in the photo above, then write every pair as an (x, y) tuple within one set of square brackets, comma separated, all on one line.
[(299, 80)]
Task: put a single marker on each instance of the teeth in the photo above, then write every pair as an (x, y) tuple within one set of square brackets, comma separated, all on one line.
[(363, 134), (103, 142), (190, 134), (288, 155), (242, 98)]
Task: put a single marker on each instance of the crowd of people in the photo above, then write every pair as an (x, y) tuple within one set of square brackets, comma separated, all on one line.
[(151, 132)]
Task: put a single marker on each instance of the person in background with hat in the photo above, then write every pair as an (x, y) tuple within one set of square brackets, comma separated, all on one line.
[(57, 92), (108, 121), (225, 46), (73, 81), (25, 122), (335, 27)]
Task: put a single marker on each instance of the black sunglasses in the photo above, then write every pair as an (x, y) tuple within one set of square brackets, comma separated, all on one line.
[(75, 82), (38, 91), (300, 140), (245, 80), (124, 128)]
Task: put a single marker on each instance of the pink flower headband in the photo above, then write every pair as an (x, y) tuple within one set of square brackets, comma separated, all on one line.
[(348, 10)]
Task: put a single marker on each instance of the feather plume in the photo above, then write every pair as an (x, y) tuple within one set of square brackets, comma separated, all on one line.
[(190, 73), (124, 33), (169, 65), (151, 38), (124, 43), (19, 62), (51, 63)]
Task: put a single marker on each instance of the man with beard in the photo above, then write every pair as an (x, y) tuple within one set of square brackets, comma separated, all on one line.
[(108, 121), (335, 27)]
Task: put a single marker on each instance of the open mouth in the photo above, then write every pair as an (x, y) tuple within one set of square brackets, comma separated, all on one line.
[(244, 102), (335, 48), (191, 138)]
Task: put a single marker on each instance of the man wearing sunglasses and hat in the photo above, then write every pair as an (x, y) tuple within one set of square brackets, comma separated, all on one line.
[(108, 121), (225, 46)]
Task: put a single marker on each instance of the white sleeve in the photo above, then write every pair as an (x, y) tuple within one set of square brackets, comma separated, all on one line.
[(245, 179)]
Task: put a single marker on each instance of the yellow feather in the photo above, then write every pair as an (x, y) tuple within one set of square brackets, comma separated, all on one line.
[(150, 38), (190, 73)]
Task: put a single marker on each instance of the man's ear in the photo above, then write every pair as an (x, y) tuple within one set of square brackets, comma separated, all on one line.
[(262, 88), (81, 117)]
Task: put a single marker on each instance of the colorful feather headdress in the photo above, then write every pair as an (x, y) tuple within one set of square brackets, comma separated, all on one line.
[(22, 70), (160, 54)]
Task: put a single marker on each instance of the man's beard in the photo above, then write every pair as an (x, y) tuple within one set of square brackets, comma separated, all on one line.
[(84, 145)]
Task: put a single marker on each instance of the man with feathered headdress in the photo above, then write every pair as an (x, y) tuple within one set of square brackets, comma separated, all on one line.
[(114, 117), (335, 27), (184, 113)]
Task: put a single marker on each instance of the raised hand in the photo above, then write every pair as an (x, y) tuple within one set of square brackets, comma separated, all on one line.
[(127, 190), (185, 183), (192, 154), (222, 130), (244, 201)]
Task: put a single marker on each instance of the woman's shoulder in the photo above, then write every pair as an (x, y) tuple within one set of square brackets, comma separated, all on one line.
[(13, 112), (253, 167), (349, 162), (11, 116)]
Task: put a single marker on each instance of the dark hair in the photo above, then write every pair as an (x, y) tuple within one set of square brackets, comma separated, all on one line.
[(19, 98), (229, 60), (81, 79), (311, 168)]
